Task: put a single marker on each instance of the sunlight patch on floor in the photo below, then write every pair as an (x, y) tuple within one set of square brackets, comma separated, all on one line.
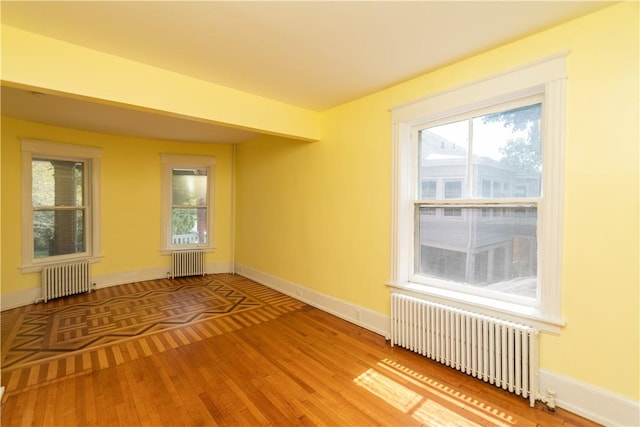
[(427, 400), (390, 391), (434, 414)]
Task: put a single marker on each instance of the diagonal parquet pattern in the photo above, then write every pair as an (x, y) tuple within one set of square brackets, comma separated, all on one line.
[(51, 331), (112, 326)]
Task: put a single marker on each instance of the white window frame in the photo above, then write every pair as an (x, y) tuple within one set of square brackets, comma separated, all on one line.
[(91, 156), (176, 161), (546, 78)]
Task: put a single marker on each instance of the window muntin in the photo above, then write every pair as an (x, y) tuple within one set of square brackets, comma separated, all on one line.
[(483, 249)]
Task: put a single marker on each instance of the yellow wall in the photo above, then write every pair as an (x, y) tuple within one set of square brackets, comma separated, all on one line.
[(319, 214), (131, 193)]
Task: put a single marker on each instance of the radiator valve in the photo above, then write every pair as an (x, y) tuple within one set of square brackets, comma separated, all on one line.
[(551, 400)]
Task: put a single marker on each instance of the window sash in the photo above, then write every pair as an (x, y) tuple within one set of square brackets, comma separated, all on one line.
[(68, 244), (455, 151), (463, 286)]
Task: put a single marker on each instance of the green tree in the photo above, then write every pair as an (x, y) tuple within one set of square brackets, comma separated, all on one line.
[(183, 220), (523, 153)]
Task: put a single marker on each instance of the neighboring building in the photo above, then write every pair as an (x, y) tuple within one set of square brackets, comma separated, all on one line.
[(480, 246)]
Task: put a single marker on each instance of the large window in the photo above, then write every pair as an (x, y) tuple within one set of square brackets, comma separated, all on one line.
[(478, 195), (492, 246), (187, 200), (60, 187)]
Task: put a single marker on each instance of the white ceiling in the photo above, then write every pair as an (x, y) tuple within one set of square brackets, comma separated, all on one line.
[(313, 54)]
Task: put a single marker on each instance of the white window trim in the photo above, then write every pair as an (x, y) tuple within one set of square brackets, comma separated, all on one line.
[(547, 77), (169, 162), (35, 148)]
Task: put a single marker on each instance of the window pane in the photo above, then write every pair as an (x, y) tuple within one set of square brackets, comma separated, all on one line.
[(428, 189), (57, 183), (497, 253), (453, 189), (188, 226), (506, 153), (443, 156), (58, 232), (506, 156), (189, 187), (452, 211)]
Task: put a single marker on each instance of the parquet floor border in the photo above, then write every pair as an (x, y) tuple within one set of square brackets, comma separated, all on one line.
[(27, 375)]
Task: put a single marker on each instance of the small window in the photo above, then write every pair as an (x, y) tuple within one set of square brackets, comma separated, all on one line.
[(429, 189), (453, 189), (452, 212), (486, 188), (188, 196)]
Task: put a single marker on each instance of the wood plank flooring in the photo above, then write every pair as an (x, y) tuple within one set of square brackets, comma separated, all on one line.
[(273, 362)]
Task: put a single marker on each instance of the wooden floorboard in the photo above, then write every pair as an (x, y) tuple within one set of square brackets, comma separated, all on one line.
[(252, 356)]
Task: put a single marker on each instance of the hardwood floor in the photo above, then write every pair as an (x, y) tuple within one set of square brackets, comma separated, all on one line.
[(246, 355)]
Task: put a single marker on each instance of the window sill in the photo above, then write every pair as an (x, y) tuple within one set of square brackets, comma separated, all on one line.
[(37, 267), (168, 251), (531, 316)]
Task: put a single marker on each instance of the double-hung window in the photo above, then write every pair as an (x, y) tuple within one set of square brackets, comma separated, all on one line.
[(60, 202), (478, 195), (187, 202), (481, 237)]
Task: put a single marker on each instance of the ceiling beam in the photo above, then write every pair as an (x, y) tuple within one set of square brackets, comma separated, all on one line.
[(34, 61)]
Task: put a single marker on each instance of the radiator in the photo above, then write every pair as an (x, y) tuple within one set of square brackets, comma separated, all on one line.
[(498, 352), (187, 263), (65, 279)]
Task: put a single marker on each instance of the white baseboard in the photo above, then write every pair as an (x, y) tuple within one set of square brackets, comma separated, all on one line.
[(29, 296), (20, 298), (115, 279), (594, 403), (218, 267), (358, 315), (582, 399)]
